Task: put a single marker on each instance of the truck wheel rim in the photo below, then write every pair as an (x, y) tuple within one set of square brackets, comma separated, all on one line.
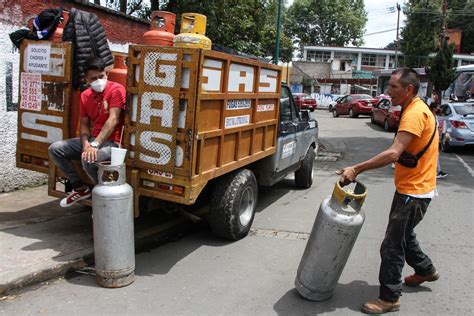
[(246, 206)]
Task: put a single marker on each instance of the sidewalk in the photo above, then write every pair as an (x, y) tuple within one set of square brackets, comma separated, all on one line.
[(39, 240)]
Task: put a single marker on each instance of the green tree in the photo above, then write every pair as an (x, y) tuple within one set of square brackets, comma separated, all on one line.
[(441, 71), (327, 22), (420, 36), (461, 16), (391, 45), (248, 26)]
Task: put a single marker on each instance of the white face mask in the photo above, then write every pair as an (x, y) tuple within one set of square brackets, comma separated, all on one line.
[(98, 85)]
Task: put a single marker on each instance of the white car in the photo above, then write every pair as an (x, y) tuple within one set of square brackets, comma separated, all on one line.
[(333, 102)]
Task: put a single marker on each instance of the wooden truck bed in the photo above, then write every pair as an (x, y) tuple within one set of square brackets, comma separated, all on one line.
[(192, 115), (195, 115)]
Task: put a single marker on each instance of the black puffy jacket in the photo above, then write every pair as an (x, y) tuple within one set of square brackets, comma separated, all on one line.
[(88, 36)]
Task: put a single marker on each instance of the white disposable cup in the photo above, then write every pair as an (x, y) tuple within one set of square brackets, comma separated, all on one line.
[(118, 156)]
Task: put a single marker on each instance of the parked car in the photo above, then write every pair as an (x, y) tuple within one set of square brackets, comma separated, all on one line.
[(386, 114), (304, 101), (354, 105), (333, 102), (457, 125)]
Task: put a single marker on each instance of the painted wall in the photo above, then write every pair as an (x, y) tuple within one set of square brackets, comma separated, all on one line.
[(121, 31)]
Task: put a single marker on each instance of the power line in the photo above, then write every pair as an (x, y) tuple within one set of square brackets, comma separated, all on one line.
[(379, 32)]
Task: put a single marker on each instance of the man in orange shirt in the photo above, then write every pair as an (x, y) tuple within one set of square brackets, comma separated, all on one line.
[(415, 187)]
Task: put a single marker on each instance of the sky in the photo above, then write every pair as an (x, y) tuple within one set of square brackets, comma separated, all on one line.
[(382, 17)]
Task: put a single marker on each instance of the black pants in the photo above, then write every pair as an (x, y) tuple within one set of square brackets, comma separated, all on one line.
[(400, 244)]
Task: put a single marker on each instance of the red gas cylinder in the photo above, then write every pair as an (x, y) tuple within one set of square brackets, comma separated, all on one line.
[(119, 72), (161, 29), (58, 33)]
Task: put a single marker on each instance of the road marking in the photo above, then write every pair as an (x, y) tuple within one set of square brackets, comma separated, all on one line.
[(471, 172), (279, 234)]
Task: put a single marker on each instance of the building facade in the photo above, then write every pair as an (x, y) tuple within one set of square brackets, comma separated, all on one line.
[(366, 59), (121, 30)]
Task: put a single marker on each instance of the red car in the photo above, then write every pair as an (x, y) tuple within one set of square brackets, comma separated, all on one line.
[(386, 114), (354, 105), (304, 101)]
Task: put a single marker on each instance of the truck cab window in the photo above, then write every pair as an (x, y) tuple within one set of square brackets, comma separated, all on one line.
[(286, 114)]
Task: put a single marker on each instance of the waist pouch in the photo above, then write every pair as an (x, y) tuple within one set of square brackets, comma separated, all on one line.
[(409, 160)]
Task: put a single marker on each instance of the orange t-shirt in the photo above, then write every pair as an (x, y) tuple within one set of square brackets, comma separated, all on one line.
[(418, 120)]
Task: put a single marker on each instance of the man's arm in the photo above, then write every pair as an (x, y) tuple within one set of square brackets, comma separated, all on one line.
[(85, 132), (89, 153), (400, 143), (110, 125)]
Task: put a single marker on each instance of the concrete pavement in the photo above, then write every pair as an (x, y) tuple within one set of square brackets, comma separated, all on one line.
[(40, 241)]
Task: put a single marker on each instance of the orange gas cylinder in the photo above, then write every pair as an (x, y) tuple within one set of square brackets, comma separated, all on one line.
[(161, 29), (58, 33), (119, 72), (74, 113)]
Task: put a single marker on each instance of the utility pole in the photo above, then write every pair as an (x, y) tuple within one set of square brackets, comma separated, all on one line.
[(397, 40), (277, 48), (442, 38)]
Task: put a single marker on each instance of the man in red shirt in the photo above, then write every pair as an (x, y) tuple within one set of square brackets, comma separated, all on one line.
[(101, 115)]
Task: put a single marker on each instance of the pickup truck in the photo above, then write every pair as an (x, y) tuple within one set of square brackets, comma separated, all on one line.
[(195, 119)]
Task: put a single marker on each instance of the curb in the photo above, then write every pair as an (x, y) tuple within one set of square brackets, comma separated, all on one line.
[(144, 240)]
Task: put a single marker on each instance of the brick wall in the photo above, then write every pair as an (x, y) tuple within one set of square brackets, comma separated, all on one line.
[(121, 31), (119, 27)]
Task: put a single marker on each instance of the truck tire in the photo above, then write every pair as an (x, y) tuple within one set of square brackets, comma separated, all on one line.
[(232, 205), (304, 175)]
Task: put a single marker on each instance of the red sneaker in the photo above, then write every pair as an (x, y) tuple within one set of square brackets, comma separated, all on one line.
[(416, 279), (75, 196)]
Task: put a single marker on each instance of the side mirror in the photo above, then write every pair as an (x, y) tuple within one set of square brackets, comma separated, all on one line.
[(305, 115)]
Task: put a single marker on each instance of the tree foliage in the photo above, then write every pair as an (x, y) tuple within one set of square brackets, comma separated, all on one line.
[(327, 22), (420, 35), (423, 26), (248, 26), (441, 72), (461, 16), (392, 45)]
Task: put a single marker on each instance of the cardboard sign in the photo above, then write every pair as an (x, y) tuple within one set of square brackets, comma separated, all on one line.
[(38, 58), (30, 91)]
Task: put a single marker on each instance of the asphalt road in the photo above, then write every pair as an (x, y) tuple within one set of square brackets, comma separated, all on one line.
[(201, 275)]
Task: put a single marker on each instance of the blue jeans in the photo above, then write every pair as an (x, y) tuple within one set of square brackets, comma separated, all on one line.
[(63, 152), (400, 245)]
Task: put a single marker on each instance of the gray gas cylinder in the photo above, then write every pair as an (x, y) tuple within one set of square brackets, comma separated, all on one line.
[(114, 245), (334, 233)]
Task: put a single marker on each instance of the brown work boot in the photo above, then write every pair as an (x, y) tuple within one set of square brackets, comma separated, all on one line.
[(380, 307), (416, 279)]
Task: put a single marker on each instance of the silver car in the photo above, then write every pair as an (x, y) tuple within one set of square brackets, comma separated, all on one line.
[(457, 125)]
